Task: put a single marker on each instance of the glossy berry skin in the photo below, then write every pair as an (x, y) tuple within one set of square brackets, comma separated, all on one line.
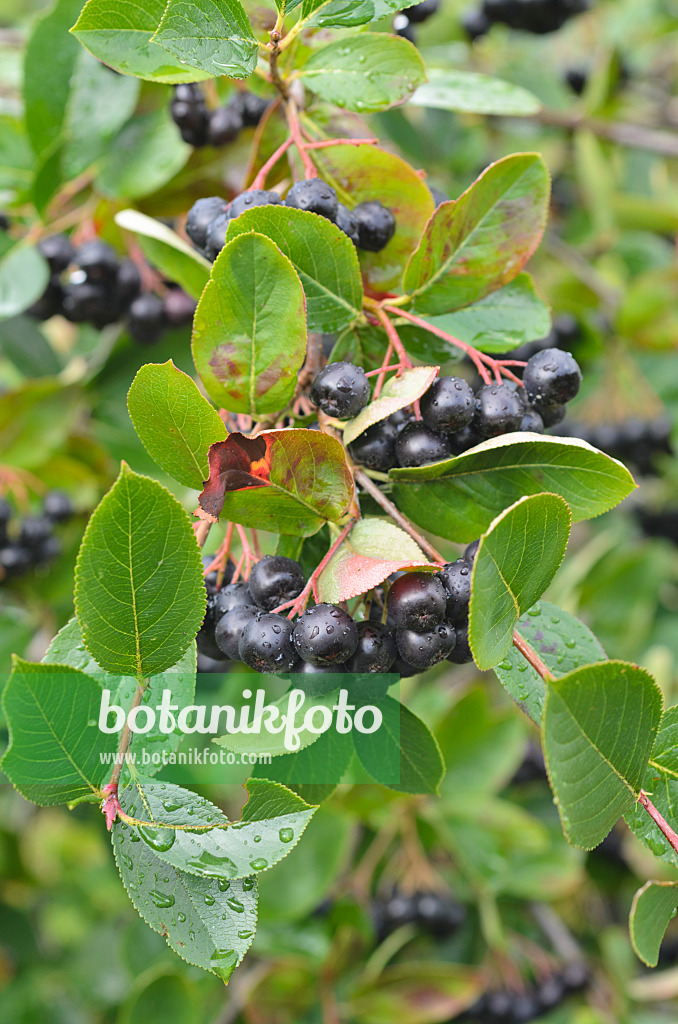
[(417, 601), (215, 236), (376, 650), (229, 628), (552, 415), (275, 580), (341, 390), (255, 197), (393, 913), (50, 302), (91, 301), (127, 283), (476, 24), (57, 506), (325, 635), (448, 405), (437, 914), (230, 596), (423, 650), (225, 124), (146, 319), (99, 261), (266, 643), (402, 668), (201, 215), (375, 447), (347, 222), (59, 252), (470, 552), (251, 107), (422, 11), (34, 530), (455, 578), (400, 417), (314, 195), (206, 642), (464, 439), (551, 377), (376, 225), (576, 976), (178, 307), (403, 28), (14, 560), (499, 410), (212, 577), (189, 112), (461, 654), (532, 422), (417, 445)]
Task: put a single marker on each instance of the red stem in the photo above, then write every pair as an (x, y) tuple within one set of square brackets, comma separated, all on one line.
[(248, 554), (393, 336), (384, 369), (298, 605), (473, 353), (382, 373), (260, 179), (297, 139), (531, 657), (661, 822), (221, 556)]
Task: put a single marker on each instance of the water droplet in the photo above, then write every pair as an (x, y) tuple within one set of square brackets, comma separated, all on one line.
[(171, 805), (259, 864), (235, 905), (534, 611), (182, 917), (162, 900), (159, 839), (212, 865), (245, 935), (247, 884), (209, 899), (286, 835), (257, 839), (223, 962), (224, 884)]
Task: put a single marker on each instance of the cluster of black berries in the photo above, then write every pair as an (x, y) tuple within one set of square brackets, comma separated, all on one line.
[(31, 542), (432, 912), (535, 16), (636, 440), (369, 225), (506, 1007), (403, 23), (200, 126), (91, 285), (454, 419)]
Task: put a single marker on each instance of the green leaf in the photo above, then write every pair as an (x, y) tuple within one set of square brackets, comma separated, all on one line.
[(654, 907), (481, 241), (175, 424), (214, 37), (396, 394), (212, 847), (55, 744), (23, 277), (367, 72), (286, 481), (372, 551), (348, 13), (35, 421), (359, 173), (323, 256), (316, 771), (273, 743), (120, 34), (503, 320), (98, 106), (139, 592), (562, 642), (67, 648), (48, 67), (158, 995), (207, 921), (471, 93), (167, 251), (661, 785), (459, 497), (600, 722), (403, 754), (143, 157), (249, 330), (23, 344), (516, 560)]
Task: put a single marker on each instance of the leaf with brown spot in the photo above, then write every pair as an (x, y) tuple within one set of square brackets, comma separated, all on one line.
[(249, 330), (286, 481), (481, 241), (372, 551)]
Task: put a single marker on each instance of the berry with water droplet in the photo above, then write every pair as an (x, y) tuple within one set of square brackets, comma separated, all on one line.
[(325, 635), (417, 601)]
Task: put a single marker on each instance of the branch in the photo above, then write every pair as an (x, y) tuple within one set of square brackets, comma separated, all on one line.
[(111, 806), (393, 335), (531, 657), (298, 604), (661, 822), (297, 138), (368, 485)]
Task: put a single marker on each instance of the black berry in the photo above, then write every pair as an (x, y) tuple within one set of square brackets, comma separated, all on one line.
[(341, 390), (99, 262), (532, 422), (417, 601), (225, 124), (314, 195), (552, 415), (422, 650), (252, 107), (470, 551), (461, 653), (499, 410), (127, 282), (212, 577), (576, 976), (577, 79), (255, 197), (275, 580), (421, 11), (5, 512), (189, 112), (229, 628), (476, 24), (325, 635), (437, 914), (178, 307), (89, 301), (376, 447), (59, 252), (551, 377), (14, 560), (200, 217), (393, 913), (205, 640), (403, 28), (464, 439), (215, 236), (376, 225), (376, 650), (229, 597), (146, 318), (418, 445), (455, 578), (448, 405), (347, 222), (57, 506), (266, 643), (50, 302)]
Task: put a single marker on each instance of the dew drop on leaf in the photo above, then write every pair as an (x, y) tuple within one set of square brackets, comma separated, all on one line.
[(286, 835), (159, 839), (162, 900)]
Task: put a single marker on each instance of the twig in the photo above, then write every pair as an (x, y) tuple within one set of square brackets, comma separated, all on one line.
[(661, 822), (274, 48), (248, 554), (298, 605), (532, 657), (382, 374), (297, 138), (393, 336), (368, 485), (201, 531), (111, 805), (260, 179)]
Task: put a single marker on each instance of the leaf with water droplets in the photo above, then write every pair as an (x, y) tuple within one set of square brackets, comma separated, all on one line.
[(207, 924), (661, 785), (213, 37), (194, 836), (562, 642)]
